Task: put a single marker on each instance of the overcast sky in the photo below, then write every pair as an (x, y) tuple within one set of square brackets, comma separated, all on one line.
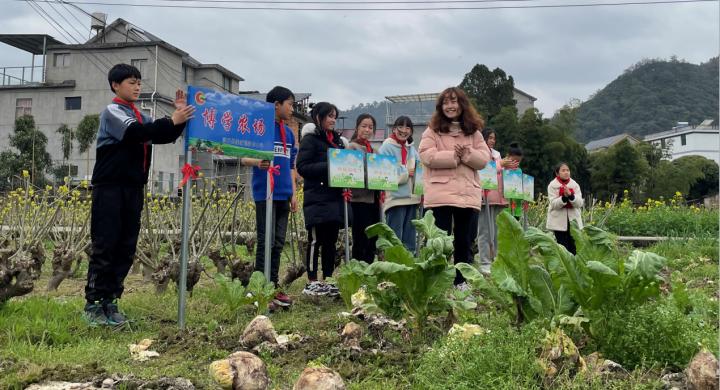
[(357, 57)]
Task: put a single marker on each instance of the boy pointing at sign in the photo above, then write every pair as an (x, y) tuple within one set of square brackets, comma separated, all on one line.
[(124, 150), (284, 200)]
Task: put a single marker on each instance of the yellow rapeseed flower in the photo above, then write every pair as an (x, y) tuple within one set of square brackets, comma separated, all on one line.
[(25, 173)]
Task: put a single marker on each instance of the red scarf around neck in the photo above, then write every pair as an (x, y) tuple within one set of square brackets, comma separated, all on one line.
[(564, 191), (140, 120), (403, 148), (329, 134), (365, 143), (131, 105)]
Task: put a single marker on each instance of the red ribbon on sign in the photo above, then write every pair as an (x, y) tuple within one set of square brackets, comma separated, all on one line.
[(382, 197), (512, 205), (273, 170), (525, 206), (347, 195), (189, 172)]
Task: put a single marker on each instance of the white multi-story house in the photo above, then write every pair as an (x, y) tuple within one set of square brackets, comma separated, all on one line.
[(685, 140)]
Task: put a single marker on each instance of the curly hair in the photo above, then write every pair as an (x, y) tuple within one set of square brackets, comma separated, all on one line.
[(470, 120)]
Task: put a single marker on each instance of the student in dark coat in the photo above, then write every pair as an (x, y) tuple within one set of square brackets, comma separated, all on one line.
[(322, 205)]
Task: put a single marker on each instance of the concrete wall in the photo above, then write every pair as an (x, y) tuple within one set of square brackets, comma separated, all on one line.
[(523, 103)]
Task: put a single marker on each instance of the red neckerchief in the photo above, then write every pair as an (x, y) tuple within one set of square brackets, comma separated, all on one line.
[(564, 184), (140, 120), (283, 137), (329, 135), (365, 143), (403, 149)]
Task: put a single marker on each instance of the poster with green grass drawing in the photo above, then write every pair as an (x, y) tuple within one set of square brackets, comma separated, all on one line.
[(418, 184), (528, 188), (346, 168), (488, 176), (512, 184), (382, 173)]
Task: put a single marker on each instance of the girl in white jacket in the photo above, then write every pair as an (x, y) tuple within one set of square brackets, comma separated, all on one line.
[(566, 204)]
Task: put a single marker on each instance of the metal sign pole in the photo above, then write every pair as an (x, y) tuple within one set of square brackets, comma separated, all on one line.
[(347, 237), (184, 246), (268, 224)]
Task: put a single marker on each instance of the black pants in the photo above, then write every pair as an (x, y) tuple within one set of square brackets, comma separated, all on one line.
[(364, 215), (280, 212), (462, 223), (114, 229), (321, 238), (565, 239)]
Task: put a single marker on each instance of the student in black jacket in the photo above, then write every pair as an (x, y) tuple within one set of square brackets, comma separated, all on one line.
[(323, 205), (124, 150)]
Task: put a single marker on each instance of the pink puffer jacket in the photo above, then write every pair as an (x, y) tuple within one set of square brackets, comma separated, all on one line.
[(451, 180)]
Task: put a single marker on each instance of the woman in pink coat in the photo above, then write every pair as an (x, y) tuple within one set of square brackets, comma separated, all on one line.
[(452, 149)]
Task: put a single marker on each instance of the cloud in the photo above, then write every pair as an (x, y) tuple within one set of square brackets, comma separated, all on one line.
[(356, 57)]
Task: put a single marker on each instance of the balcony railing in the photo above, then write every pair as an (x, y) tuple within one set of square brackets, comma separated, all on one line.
[(20, 75)]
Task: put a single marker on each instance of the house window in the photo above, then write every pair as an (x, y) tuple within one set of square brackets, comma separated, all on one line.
[(227, 83), (73, 103), (185, 73), (683, 140), (662, 143), (61, 60), (23, 107), (140, 64)]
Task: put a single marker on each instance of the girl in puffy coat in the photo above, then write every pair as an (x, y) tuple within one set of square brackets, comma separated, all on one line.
[(452, 149), (322, 205), (566, 204), (401, 206)]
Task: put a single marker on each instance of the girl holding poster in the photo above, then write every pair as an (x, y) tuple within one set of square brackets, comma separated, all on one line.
[(323, 205), (565, 205), (487, 238), (401, 206), (452, 149), (365, 203)]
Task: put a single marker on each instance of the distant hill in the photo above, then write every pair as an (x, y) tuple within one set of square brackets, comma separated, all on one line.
[(651, 96)]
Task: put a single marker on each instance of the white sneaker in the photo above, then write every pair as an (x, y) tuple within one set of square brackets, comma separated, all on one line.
[(485, 269)]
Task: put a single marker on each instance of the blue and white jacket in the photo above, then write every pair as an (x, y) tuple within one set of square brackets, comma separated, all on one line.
[(285, 159), (124, 145)]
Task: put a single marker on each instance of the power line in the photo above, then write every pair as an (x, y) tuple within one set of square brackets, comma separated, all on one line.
[(492, 7)]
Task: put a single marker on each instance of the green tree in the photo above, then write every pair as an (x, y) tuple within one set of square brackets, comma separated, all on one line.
[(704, 171), (85, 134), (67, 136), (489, 91), (32, 155), (620, 167)]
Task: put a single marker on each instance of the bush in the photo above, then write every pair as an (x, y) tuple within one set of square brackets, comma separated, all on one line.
[(654, 334), (503, 358)]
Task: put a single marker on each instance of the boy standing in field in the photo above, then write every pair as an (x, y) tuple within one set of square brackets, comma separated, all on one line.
[(284, 200), (124, 150)]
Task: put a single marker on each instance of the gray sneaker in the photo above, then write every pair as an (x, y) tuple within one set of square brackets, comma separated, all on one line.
[(94, 314), (113, 315)]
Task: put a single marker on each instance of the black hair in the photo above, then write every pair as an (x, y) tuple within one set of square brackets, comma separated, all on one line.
[(487, 132), (359, 120), (556, 170), (320, 111), (122, 72), (403, 121), (515, 150), (279, 95)]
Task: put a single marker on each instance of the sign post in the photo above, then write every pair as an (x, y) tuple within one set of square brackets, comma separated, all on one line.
[(346, 169), (488, 181)]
